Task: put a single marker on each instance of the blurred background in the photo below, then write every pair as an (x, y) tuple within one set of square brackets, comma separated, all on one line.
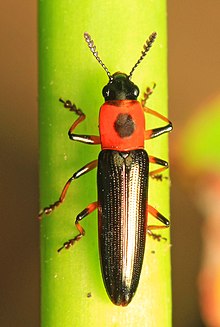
[(194, 81)]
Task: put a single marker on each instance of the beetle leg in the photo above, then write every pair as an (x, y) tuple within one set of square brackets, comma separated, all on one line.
[(157, 237), (89, 209), (156, 174), (147, 93), (161, 218), (158, 216), (88, 139), (151, 133), (85, 169)]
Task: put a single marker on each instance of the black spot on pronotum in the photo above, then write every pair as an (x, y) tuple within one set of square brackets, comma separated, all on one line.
[(124, 125)]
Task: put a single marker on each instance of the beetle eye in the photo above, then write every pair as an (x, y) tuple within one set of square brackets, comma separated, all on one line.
[(136, 91), (108, 93), (105, 91)]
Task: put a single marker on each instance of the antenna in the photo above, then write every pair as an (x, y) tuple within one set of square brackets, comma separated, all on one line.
[(92, 48), (147, 46)]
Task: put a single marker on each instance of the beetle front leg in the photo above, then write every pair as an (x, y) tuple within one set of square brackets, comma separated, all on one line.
[(147, 93), (88, 139), (156, 131), (85, 169), (151, 133), (89, 209), (161, 218)]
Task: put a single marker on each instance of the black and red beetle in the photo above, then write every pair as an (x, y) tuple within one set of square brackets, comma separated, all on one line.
[(122, 180)]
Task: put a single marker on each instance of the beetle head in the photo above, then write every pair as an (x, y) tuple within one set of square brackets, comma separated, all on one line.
[(120, 87)]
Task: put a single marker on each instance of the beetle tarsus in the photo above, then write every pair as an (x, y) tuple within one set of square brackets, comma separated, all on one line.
[(157, 237), (70, 243), (147, 93), (49, 209), (158, 177), (72, 107)]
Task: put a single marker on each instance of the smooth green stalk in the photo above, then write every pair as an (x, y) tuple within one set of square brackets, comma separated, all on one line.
[(72, 289)]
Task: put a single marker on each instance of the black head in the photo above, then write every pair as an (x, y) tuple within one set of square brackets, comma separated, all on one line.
[(120, 87)]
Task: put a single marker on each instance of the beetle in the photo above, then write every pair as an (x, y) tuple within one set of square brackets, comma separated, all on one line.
[(122, 179)]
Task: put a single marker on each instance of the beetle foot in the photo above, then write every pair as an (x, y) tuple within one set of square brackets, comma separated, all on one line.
[(72, 107), (158, 177), (147, 93), (157, 237), (48, 210), (70, 243)]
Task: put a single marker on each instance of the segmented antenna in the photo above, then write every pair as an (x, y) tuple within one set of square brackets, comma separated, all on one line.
[(146, 47), (92, 48)]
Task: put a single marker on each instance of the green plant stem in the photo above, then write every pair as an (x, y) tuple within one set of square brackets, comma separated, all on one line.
[(72, 289)]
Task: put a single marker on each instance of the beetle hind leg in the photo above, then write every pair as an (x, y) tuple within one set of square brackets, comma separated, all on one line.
[(89, 209)]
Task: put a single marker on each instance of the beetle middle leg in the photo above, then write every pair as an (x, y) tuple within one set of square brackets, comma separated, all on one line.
[(156, 174), (85, 169), (161, 218), (89, 209)]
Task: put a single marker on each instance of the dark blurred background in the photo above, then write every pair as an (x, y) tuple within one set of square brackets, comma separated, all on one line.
[(194, 64)]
